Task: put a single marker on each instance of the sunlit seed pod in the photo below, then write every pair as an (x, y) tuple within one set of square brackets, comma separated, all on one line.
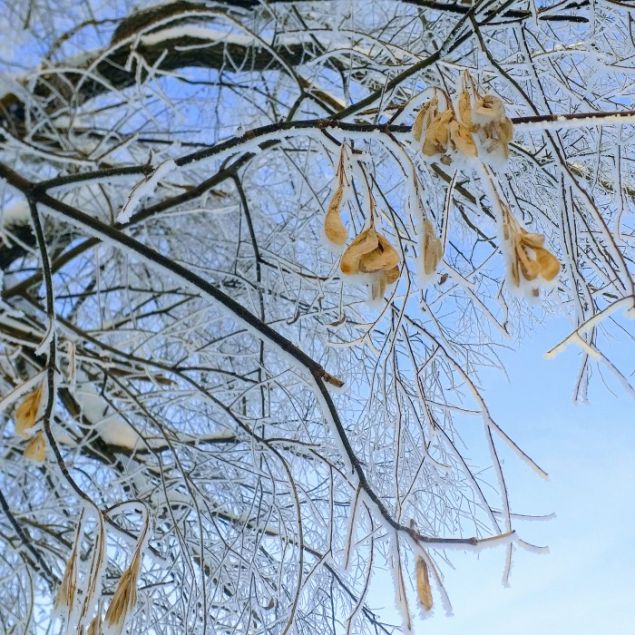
[(124, 598), (334, 228), (534, 259), (35, 449), (362, 244), (371, 254), (27, 411), (66, 593), (432, 248), (529, 259), (422, 120), (424, 591), (462, 140), (437, 134), (488, 108), (382, 258)]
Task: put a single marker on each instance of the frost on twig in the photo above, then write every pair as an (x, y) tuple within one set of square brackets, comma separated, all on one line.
[(144, 189), (217, 363)]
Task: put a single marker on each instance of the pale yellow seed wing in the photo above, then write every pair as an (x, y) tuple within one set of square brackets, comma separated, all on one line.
[(334, 228), (362, 244), (35, 449), (383, 258), (422, 120), (417, 126), (549, 264), (432, 249), (490, 107), (465, 108), (437, 134), (462, 140), (26, 413), (514, 273), (424, 591)]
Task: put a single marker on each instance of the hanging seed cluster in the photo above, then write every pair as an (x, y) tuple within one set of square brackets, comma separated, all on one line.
[(369, 255), (476, 127), (473, 132), (76, 597), (528, 259)]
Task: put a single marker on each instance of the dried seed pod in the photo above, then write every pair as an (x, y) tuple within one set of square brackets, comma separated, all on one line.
[(124, 598), (36, 448), (67, 592), (431, 247), (422, 120), (371, 254), (383, 258), (533, 259), (363, 244), (437, 134), (488, 108), (27, 411), (462, 140), (529, 260), (334, 228), (424, 591)]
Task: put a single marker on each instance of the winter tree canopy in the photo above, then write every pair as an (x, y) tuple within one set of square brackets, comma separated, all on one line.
[(254, 255)]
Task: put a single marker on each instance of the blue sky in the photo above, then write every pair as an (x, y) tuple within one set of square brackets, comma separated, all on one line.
[(586, 584)]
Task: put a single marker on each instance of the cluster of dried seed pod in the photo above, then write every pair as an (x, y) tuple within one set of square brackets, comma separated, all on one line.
[(476, 127), (371, 254), (75, 605), (530, 263)]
